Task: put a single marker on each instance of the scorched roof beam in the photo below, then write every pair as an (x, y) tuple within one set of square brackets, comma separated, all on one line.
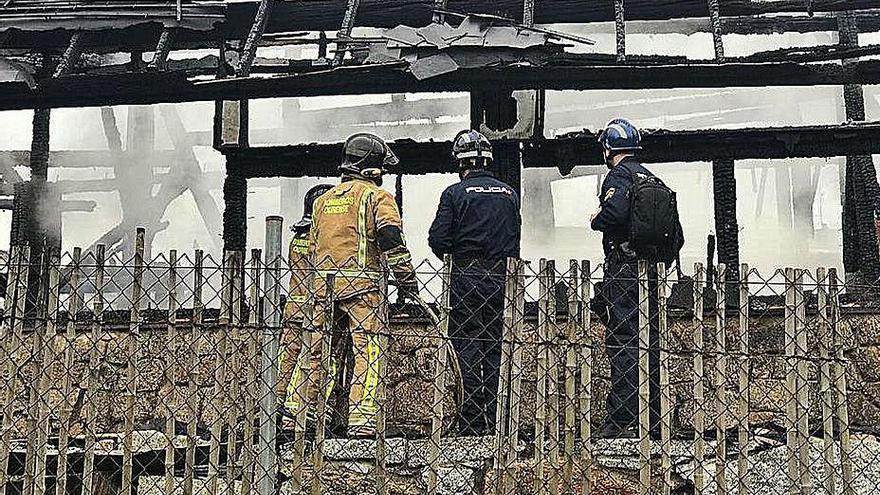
[(662, 146), (140, 88), (324, 15)]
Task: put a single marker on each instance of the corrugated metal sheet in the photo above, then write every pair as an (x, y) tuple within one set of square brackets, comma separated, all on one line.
[(43, 15)]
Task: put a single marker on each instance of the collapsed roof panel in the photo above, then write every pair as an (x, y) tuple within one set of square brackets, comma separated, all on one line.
[(477, 41)]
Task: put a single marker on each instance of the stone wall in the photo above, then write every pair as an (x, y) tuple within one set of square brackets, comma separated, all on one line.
[(163, 372)]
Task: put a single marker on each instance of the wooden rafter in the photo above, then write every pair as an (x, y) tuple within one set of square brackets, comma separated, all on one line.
[(79, 91)]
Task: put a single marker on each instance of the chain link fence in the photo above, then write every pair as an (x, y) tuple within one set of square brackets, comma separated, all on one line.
[(186, 374)]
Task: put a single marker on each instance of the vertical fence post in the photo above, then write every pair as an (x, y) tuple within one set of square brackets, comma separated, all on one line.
[(11, 312), (503, 394), (32, 389), (803, 399), (665, 392), (516, 371), (235, 361), (171, 370), (570, 372), (323, 382), (553, 381), (233, 373), (721, 380), (823, 338), (644, 319), (791, 412), (218, 394), (302, 370), (699, 383), (73, 306), (379, 473), (269, 360), (134, 332), (586, 377), (249, 468), (541, 402), (743, 437), (840, 384), (97, 335), (193, 374), (440, 378), (45, 372)]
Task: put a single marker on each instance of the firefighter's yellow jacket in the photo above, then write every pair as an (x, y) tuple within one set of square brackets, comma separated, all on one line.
[(344, 239)]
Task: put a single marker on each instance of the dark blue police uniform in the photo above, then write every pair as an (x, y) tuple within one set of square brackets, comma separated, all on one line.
[(620, 290), (478, 223)]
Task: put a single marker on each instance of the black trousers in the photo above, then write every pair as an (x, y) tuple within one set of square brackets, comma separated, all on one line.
[(621, 292), (475, 326)]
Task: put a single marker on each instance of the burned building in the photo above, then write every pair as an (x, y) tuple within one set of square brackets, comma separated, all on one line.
[(502, 68)]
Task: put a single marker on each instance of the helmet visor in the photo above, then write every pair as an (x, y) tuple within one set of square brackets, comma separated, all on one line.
[(391, 159)]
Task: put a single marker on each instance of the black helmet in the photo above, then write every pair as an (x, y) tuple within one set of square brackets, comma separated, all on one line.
[(309, 205), (313, 194), (471, 144), (367, 155)]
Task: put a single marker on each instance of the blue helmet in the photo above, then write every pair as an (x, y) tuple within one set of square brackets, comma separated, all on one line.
[(620, 135)]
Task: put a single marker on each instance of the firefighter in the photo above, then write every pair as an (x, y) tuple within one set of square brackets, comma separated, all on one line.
[(478, 224), (356, 230), (293, 363)]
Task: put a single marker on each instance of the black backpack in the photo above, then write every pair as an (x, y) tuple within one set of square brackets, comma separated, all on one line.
[(655, 232)]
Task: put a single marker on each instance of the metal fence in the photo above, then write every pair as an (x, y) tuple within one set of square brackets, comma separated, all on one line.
[(183, 374)]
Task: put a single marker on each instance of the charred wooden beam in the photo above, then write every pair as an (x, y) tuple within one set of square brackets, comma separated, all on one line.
[(714, 144), (321, 160), (324, 15), (79, 91), (351, 10), (726, 227), (529, 12), (724, 178), (163, 49), (71, 55), (620, 30), (717, 39), (862, 192), (235, 199), (255, 34), (39, 157)]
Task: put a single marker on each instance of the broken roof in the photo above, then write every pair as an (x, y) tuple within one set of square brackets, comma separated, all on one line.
[(478, 41)]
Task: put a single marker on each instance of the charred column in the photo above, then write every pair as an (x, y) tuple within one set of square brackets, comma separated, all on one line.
[(36, 218), (860, 250), (724, 180), (37, 212), (235, 199), (726, 226)]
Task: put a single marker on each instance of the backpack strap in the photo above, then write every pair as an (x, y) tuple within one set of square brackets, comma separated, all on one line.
[(632, 175)]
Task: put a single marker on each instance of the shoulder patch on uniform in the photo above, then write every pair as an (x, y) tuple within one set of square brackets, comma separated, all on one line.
[(609, 194)]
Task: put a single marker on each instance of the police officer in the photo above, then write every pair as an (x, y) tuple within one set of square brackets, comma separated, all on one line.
[(356, 231), (620, 142), (478, 223), (293, 363)]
